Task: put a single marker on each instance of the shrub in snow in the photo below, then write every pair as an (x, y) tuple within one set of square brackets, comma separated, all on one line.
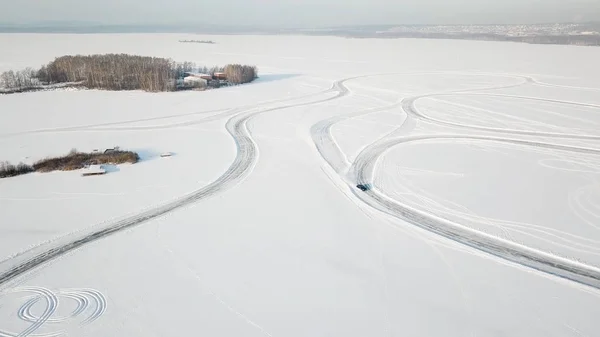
[(9, 170)]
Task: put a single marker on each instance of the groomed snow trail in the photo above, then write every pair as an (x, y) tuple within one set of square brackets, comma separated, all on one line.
[(364, 167), (362, 171), (246, 156)]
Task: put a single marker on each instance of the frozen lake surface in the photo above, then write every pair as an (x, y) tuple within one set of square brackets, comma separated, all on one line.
[(482, 216)]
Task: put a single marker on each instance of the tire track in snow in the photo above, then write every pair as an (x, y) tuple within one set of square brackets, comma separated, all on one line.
[(364, 168), (326, 145), (331, 152), (445, 208), (91, 126), (51, 305), (545, 84), (409, 106), (220, 113), (246, 157), (365, 163), (85, 298)]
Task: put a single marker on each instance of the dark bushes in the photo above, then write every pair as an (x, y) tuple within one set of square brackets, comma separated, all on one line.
[(78, 160), (73, 161), (9, 170)]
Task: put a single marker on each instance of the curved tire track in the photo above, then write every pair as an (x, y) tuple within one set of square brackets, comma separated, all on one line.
[(247, 155), (93, 126), (365, 164), (90, 303), (51, 305), (220, 113), (364, 167), (330, 151), (409, 106)]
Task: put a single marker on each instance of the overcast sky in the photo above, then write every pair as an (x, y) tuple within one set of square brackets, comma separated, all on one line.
[(299, 12)]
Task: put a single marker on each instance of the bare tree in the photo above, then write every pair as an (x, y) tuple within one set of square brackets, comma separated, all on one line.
[(237, 73)]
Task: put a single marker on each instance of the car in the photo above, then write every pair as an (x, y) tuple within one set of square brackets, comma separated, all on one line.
[(362, 187)]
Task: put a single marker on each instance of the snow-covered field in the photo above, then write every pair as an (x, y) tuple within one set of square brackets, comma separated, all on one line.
[(482, 217)]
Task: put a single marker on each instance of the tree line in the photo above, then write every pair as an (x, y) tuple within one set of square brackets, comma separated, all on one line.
[(118, 72), (238, 74), (197, 41), (18, 79)]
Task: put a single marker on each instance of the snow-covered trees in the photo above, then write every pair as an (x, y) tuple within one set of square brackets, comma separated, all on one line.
[(112, 72), (18, 80), (118, 72), (237, 73)]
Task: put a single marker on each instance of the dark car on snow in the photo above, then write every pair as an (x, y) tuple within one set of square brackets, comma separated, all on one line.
[(362, 187)]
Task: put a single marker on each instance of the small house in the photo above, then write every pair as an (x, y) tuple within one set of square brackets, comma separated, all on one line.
[(195, 82), (114, 149), (198, 75)]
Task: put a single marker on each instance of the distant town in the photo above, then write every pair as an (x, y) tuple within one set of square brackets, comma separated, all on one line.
[(557, 33), (584, 34)]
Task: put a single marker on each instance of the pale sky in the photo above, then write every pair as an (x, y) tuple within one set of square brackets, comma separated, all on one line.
[(299, 12)]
